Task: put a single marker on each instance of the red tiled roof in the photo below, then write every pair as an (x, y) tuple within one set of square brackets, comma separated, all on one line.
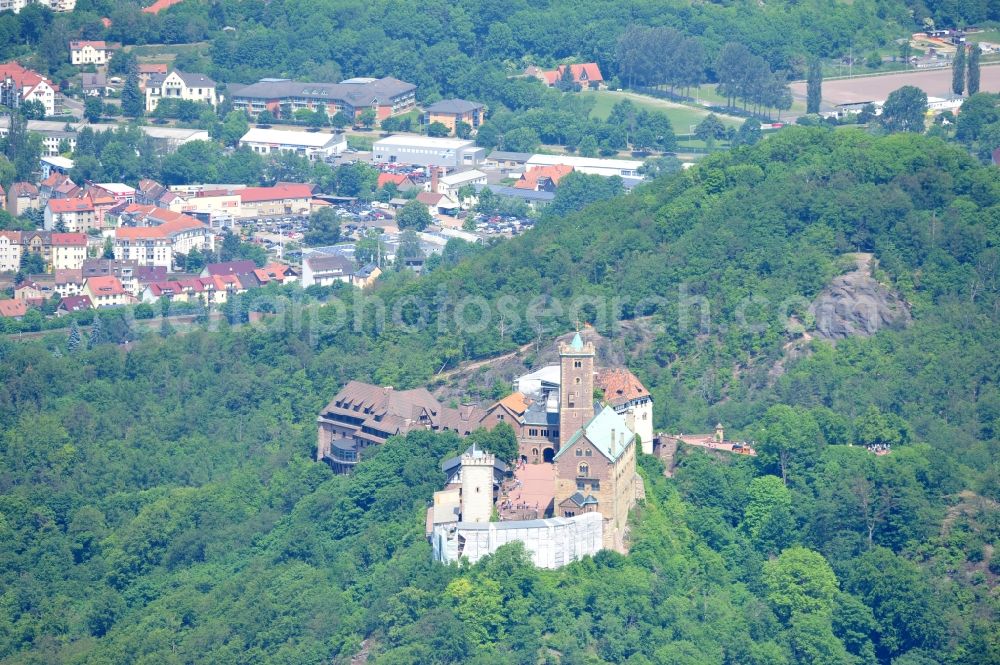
[(19, 189), (169, 222), (13, 236), (13, 308), (620, 385), (531, 177), (284, 191), (93, 44), (23, 78), (71, 205), (106, 22), (152, 68), (69, 239), (394, 178), (105, 285)]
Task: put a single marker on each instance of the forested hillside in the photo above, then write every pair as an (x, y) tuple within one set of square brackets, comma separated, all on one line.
[(160, 504)]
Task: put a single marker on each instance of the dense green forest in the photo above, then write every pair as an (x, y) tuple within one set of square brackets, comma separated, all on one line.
[(160, 504)]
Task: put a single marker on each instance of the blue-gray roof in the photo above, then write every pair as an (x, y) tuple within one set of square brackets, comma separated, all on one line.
[(598, 431), (515, 193), (453, 106)]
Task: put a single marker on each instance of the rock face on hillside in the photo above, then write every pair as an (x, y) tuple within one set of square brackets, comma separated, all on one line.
[(854, 304)]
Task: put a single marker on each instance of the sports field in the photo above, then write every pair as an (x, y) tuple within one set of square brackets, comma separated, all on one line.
[(681, 117), (935, 82)]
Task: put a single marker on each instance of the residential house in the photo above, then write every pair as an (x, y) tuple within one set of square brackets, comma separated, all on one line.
[(154, 237), (311, 145), (587, 75), (68, 282), (281, 199), (543, 178), (96, 84), (450, 112), (58, 186), (91, 52), (363, 415), (366, 275), (23, 196), (18, 84), (72, 215), (71, 304), (13, 309), (181, 86), (10, 251), (55, 5), (146, 70), (68, 250), (106, 291), (211, 290), (237, 268), (277, 273), (33, 293), (402, 182), (134, 277), (118, 191), (325, 270), (282, 97)]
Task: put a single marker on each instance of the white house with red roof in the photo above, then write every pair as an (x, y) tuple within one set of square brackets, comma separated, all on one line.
[(31, 86), (69, 251), (70, 215), (106, 291), (10, 251), (83, 52)]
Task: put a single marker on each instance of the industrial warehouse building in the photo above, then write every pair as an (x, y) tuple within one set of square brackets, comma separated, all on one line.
[(312, 145), (427, 151)]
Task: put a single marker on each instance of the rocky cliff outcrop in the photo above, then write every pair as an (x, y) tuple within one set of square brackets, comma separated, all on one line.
[(854, 304)]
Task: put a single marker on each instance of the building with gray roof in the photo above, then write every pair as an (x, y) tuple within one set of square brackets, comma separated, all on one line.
[(282, 97)]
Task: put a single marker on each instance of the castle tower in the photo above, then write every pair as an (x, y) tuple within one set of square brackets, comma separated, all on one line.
[(576, 386), (477, 486)]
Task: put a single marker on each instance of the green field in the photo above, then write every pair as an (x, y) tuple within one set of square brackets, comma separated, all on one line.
[(682, 117)]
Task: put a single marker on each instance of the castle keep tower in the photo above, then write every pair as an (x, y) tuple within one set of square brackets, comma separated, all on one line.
[(477, 486), (576, 386)]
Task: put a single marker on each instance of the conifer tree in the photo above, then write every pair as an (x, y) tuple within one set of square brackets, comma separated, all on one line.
[(132, 103), (973, 82), (73, 342), (97, 334), (814, 86), (958, 71)]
